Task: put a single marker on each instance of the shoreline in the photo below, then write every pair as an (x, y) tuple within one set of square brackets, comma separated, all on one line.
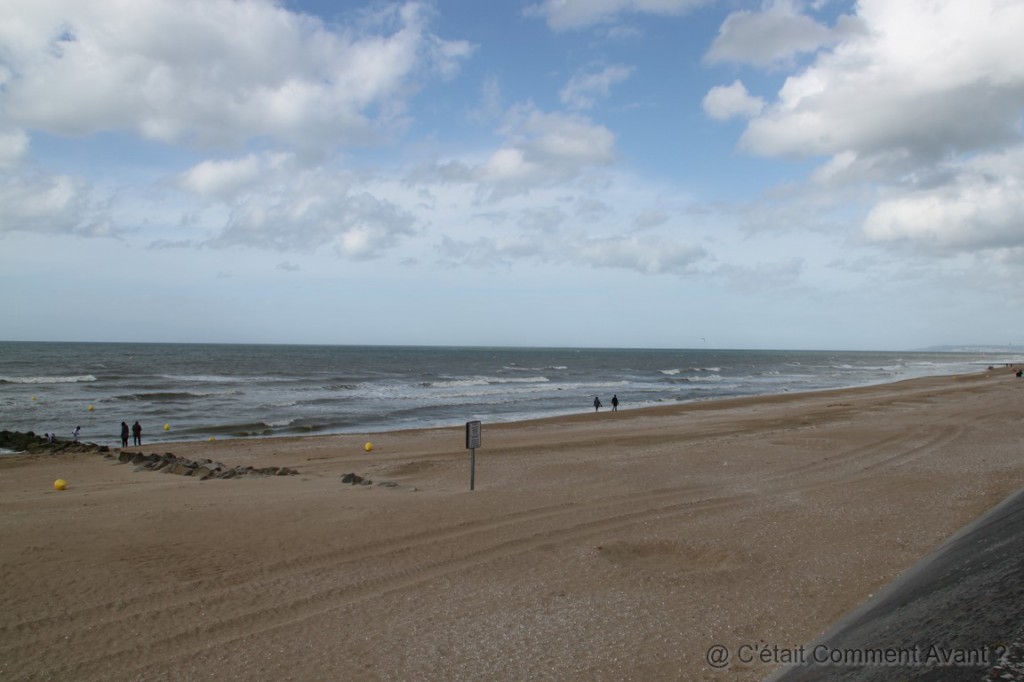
[(291, 393), (613, 545)]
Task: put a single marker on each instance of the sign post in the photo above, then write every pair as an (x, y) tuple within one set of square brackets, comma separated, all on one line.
[(472, 443)]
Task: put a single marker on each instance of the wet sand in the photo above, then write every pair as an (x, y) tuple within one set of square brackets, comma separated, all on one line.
[(595, 547)]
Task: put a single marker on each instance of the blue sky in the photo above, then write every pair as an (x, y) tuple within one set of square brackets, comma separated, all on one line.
[(634, 173)]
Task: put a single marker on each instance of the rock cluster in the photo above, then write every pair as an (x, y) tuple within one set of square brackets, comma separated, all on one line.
[(356, 479), (202, 469), (29, 442)]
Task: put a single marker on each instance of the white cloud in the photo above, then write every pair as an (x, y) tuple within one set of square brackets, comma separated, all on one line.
[(928, 78), (484, 251), (543, 148), (51, 204), (222, 179), (650, 219), (763, 38), (920, 109), (13, 148), (584, 89), (213, 72), (727, 101), (649, 255), (980, 209), (574, 14), (272, 201), (306, 216)]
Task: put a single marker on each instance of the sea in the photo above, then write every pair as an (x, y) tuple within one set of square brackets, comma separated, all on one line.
[(186, 392)]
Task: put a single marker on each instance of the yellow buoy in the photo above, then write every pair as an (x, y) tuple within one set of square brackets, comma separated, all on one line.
[(368, 447), (60, 484), (33, 398), (167, 427), (91, 408), (213, 438)]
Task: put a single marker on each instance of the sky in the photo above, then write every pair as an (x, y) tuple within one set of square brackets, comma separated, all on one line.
[(791, 174)]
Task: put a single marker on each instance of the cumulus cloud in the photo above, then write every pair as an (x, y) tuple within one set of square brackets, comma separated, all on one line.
[(927, 79), (979, 209), (542, 148), (775, 35), (564, 15), (214, 72), (54, 204), (922, 104), (274, 202), (538, 149), (583, 90), (727, 101), (355, 225), (222, 179)]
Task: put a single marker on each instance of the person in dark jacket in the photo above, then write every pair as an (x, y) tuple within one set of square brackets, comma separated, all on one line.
[(137, 433), (124, 434)]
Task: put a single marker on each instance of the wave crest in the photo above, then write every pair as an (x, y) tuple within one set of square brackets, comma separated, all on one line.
[(47, 380)]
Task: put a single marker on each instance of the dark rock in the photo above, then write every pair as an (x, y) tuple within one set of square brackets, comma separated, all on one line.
[(139, 458), (125, 456), (206, 471), (182, 469), (352, 478)]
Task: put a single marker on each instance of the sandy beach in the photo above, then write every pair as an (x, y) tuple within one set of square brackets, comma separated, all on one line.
[(608, 546)]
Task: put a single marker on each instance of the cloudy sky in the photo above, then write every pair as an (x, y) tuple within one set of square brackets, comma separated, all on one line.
[(623, 173)]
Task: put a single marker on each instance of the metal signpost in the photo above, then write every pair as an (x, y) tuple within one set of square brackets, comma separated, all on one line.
[(472, 443)]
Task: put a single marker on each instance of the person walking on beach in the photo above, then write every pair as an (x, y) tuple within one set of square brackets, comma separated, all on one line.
[(597, 403), (137, 433), (124, 434), (615, 403), (77, 432)]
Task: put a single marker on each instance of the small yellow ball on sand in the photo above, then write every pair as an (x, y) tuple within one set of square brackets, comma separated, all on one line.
[(368, 447), (167, 427), (60, 484), (213, 438)]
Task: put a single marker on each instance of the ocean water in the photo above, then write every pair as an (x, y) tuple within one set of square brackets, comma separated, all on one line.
[(238, 391)]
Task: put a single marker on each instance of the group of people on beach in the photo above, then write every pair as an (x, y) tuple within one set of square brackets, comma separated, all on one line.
[(136, 432), (598, 405)]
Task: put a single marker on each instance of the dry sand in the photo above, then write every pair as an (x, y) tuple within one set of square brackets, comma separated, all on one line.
[(610, 546)]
